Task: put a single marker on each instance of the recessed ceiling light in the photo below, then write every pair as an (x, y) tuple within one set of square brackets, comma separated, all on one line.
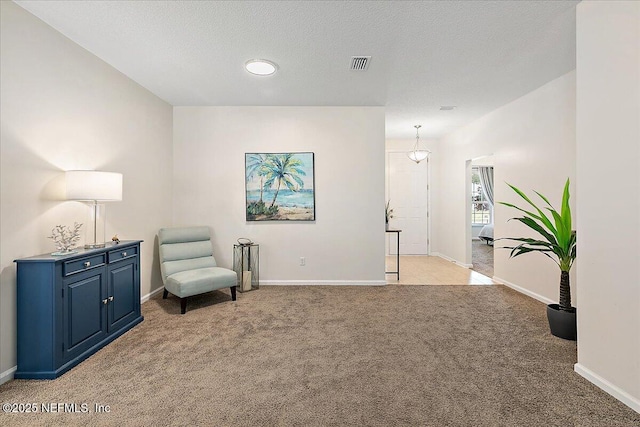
[(261, 67), (447, 107)]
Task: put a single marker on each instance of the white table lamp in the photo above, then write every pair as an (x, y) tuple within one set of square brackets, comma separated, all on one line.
[(94, 187)]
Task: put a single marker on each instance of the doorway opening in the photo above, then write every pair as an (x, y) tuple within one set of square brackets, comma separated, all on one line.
[(408, 196), (480, 209), (407, 199), (407, 191)]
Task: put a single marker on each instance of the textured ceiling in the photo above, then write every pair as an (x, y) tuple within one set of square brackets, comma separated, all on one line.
[(475, 55)]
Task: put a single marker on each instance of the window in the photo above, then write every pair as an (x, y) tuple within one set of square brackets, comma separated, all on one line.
[(481, 212)]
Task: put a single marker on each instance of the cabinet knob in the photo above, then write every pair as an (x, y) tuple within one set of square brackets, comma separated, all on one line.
[(124, 254), (87, 264), (105, 301), (111, 298)]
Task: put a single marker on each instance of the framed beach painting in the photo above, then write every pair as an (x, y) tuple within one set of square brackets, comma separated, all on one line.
[(280, 187)]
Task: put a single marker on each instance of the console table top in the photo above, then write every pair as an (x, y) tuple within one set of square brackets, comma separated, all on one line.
[(80, 251)]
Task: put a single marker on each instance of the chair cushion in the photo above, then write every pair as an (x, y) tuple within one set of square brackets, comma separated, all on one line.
[(186, 250), (168, 268), (183, 235), (193, 282)]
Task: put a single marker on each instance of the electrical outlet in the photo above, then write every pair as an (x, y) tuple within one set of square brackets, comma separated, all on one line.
[(303, 261)]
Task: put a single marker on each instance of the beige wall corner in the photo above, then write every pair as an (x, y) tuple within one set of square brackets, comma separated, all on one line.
[(63, 108), (608, 160)]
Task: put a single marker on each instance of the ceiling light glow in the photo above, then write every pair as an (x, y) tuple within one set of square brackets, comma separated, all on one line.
[(261, 67)]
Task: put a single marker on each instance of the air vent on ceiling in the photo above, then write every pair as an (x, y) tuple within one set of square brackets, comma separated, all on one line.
[(447, 107), (360, 63)]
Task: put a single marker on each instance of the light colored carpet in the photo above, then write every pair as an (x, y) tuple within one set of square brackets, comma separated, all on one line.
[(333, 356), (482, 257)]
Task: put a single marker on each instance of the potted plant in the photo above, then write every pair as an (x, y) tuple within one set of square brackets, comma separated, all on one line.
[(388, 214), (557, 241)]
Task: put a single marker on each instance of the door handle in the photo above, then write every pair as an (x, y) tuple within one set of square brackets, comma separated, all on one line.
[(105, 301), (110, 298)]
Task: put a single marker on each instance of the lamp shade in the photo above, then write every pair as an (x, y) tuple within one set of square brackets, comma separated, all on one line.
[(94, 185)]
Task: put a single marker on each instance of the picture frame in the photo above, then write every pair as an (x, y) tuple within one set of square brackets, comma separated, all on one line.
[(280, 186)]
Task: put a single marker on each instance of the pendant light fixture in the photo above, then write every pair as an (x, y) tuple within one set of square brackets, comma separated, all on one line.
[(419, 152)]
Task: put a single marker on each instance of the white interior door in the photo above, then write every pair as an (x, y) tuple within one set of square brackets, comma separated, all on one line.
[(407, 186)]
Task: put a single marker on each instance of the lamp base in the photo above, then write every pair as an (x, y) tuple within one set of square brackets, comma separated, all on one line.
[(94, 246), (96, 225)]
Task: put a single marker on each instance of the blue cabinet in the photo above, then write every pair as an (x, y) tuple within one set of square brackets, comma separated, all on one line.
[(71, 306), (124, 299), (83, 319)]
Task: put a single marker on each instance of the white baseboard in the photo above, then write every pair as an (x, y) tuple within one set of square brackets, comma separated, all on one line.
[(323, 282), (411, 255), (455, 261), (525, 291), (7, 375), (148, 296), (606, 386)]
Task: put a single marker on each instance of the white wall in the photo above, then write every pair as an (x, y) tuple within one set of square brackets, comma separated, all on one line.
[(533, 143), (608, 161), (408, 144), (346, 241), (62, 108)]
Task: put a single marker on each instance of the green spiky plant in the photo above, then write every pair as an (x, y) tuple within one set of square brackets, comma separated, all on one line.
[(558, 240)]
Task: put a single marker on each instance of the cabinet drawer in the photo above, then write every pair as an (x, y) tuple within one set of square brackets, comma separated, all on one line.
[(122, 253), (83, 264)]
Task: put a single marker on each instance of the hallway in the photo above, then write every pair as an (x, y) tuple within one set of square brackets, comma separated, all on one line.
[(482, 257), (432, 270)]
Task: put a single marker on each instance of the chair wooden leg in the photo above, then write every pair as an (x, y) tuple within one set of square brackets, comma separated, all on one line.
[(183, 305), (164, 294), (233, 293)]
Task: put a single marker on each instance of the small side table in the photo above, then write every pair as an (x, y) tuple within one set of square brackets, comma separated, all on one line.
[(397, 272), (246, 264)]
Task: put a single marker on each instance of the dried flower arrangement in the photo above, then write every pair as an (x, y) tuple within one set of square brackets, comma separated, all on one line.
[(388, 212)]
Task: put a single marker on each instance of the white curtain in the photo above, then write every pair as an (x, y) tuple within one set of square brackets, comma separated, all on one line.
[(486, 181)]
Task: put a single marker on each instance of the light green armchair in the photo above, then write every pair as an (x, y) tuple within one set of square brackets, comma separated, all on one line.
[(187, 264)]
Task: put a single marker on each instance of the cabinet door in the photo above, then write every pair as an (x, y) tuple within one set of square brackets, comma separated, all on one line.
[(84, 313), (124, 307)]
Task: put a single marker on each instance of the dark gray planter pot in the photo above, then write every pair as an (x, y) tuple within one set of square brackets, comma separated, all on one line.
[(562, 323)]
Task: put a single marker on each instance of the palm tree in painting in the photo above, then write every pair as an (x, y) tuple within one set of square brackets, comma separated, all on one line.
[(256, 165), (283, 169)]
